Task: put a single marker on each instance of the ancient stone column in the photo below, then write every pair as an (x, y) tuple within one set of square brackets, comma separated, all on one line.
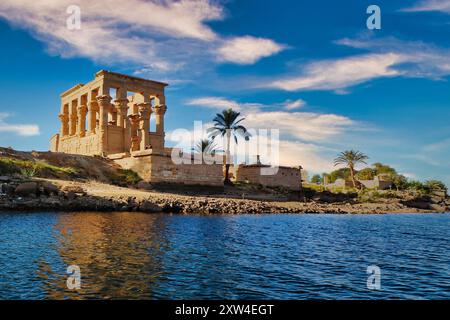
[(104, 103), (64, 124), (73, 118), (160, 112), (121, 106), (92, 121), (145, 110), (134, 123), (81, 128)]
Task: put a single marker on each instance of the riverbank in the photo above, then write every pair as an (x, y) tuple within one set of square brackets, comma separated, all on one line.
[(62, 195)]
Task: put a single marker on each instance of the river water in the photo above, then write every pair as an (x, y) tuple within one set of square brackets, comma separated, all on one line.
[(142, 256)]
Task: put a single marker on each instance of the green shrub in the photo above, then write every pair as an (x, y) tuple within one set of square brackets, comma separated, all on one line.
[(30, 168), (434, 185), (130, 177)]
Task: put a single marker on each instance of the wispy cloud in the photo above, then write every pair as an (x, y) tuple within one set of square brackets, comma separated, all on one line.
[(430, 5), (306, 126), (221, 103), (25, 130), (292, 105), (340, 73), (416, 58), (247, 50)]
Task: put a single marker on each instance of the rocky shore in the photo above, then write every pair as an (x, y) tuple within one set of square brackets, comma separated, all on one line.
[(58, 195)]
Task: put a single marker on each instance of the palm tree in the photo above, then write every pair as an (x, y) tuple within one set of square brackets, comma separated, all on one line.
[(228, 124), (206, 146), (351, 158)]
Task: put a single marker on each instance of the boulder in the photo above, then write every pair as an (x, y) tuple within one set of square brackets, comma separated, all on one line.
[(439, 193), (49, 188), (150, 207), (27, 189), (437, 207)]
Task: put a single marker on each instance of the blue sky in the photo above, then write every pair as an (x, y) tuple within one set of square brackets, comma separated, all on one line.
[(309, 68)]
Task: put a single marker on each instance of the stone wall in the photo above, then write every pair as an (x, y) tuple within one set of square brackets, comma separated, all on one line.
[(285, 176), (54, 143), (87, 145), (159, 168)]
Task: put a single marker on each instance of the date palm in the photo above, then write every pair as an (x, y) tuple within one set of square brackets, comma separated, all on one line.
[(228, 124), (350, 159), (206, 146)]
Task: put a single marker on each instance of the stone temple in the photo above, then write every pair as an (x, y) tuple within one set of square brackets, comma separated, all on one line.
[(93, 123)]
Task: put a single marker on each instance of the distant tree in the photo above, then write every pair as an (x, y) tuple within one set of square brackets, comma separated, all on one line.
[(417, 186), (351, 159), (433, 185), (227, 124), (366, 174), (384, 169), (206, 146), (400, 182), (342, 173), (316, 179)]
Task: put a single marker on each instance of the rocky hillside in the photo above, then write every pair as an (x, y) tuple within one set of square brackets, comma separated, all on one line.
[(63, 166)]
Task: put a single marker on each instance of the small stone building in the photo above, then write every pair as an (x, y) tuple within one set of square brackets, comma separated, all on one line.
[(286, 177), (93, 123)]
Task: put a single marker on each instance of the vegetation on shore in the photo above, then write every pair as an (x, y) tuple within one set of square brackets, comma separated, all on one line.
[(32, 168), (401, 184)]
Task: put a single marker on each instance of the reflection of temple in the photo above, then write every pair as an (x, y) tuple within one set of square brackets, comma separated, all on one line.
[(119, 255), (92, 123), (118, 127)]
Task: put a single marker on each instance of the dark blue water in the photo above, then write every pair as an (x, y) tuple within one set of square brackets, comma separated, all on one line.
[(139, 256)]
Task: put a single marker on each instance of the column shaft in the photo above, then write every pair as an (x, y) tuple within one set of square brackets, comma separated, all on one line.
[(104, 103)]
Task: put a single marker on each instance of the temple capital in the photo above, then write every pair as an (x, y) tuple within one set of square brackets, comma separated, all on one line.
[(104, 100), (145, 109), (161, 109), (82, 109)]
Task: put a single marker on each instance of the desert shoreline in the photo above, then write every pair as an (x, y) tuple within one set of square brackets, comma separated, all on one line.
[(95, 196)]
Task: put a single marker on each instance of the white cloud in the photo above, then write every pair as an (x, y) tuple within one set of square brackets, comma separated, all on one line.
[(221, 103), (310, 156), (247, 49), (306, 126), (296, 104), (341, 73), (25, 130), (430, 5), (417, 59), (159, 35)]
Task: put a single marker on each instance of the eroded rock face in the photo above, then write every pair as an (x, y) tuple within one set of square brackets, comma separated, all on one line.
[(27, 189)]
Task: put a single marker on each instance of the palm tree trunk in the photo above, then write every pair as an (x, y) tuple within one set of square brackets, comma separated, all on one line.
[(352, 174), (227, 163)]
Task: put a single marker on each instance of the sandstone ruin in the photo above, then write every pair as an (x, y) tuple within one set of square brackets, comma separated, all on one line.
[(93, 123)]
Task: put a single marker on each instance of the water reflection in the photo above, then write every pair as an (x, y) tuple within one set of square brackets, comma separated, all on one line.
[(141, 256), (119, 255)]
